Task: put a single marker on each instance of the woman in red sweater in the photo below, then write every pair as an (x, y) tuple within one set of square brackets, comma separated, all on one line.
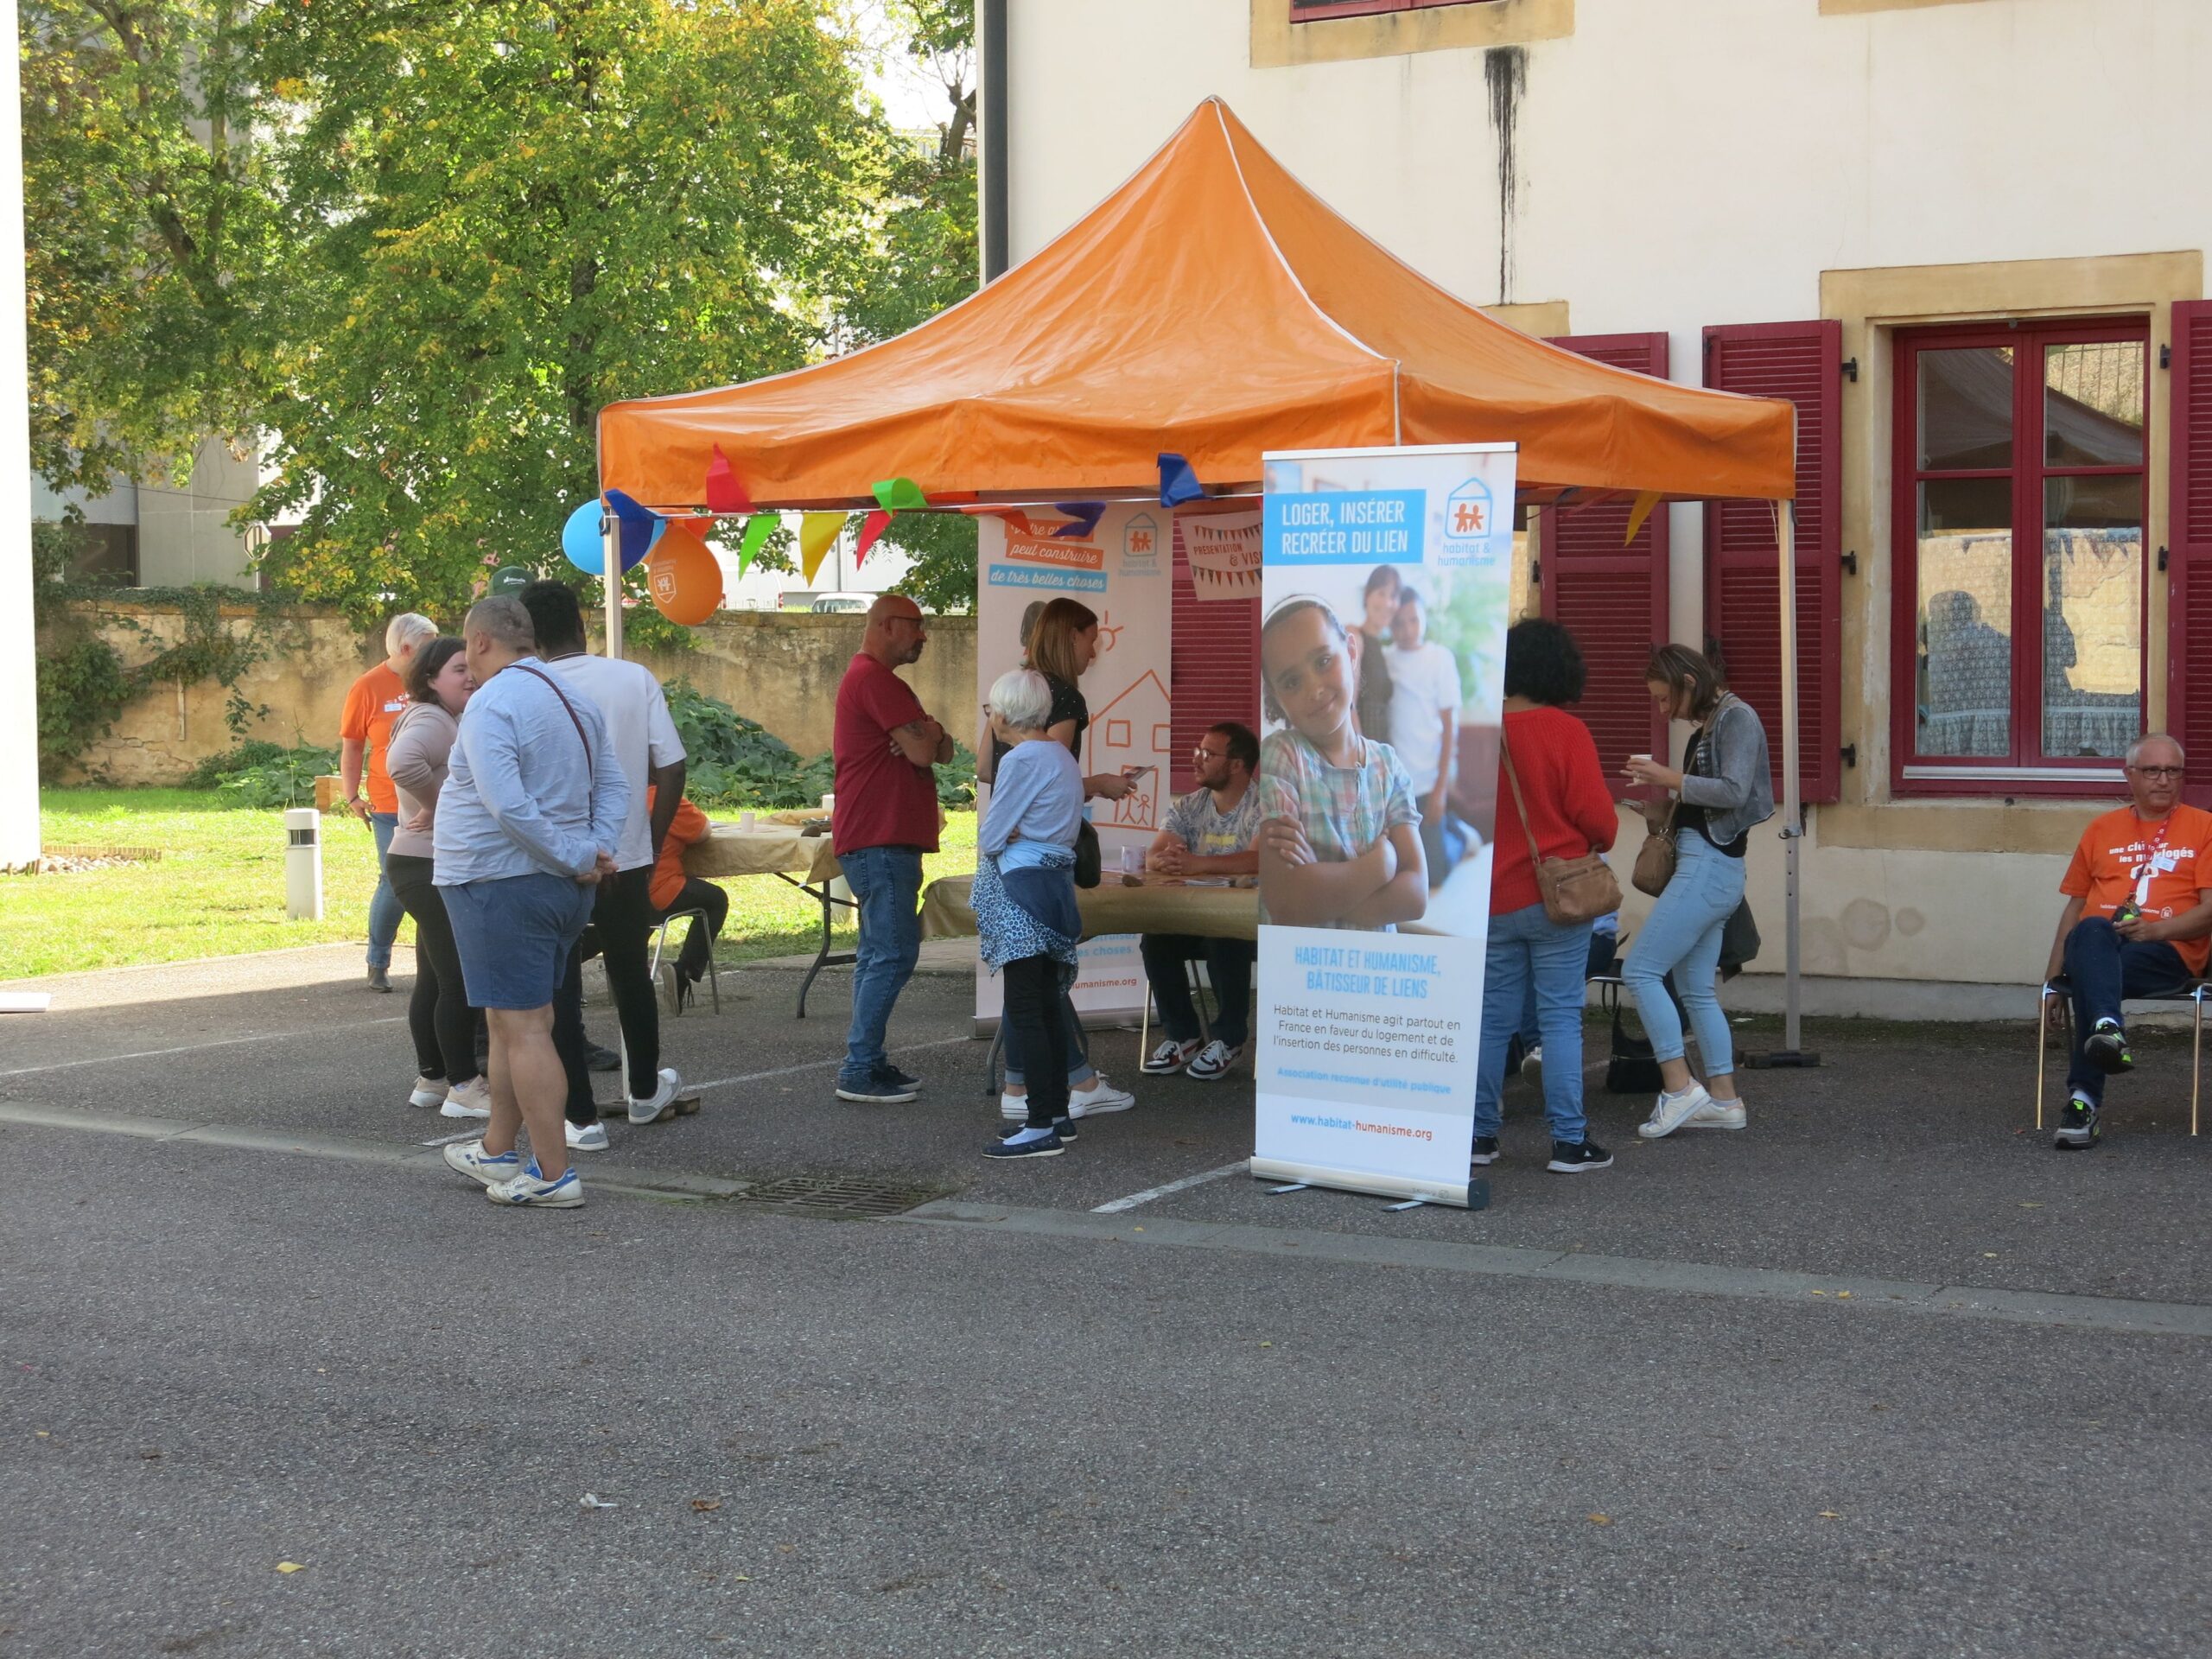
[(1570, 813)]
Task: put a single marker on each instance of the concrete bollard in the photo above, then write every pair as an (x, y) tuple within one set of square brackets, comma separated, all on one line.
[(303, 864)]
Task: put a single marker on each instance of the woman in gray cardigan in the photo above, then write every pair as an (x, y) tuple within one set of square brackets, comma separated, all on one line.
[(1723, 788)]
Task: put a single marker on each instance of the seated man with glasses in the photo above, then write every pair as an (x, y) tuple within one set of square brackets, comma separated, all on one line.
[(2138, 922), (1209, 833)]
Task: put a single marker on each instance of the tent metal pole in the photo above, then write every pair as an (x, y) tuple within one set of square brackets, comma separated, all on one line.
[(1793, 828), (610, 559)]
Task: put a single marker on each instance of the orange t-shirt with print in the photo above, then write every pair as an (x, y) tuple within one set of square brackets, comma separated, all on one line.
[(2121, 857), (374, 702), (690, 824)]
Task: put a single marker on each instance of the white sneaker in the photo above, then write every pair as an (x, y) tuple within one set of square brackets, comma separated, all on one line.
[(470, 1099), (1672, 1111), (1171, 1056), (429, 1091), (1718, 1114), (662, 1103), (1215, 1060), (1015, 1108), (1099, 1099), (585, 1137), (470, 1159), (532, 1189)]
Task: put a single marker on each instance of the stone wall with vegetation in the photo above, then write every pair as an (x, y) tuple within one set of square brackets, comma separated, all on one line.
[(290, 666)]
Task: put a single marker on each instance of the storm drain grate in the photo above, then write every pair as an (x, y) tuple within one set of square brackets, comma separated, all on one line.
[(842, 1195)]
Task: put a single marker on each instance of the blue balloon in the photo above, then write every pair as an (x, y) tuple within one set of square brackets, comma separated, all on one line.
[(581, 542)]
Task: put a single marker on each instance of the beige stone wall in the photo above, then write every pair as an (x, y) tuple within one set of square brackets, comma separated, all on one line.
[(781, 670), (315, 656)]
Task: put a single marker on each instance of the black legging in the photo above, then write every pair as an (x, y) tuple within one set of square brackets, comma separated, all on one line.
[(438, 1014), (1032, 1019), (621, 930)]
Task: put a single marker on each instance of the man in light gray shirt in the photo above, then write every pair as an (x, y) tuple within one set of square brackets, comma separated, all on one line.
[(527, 824)]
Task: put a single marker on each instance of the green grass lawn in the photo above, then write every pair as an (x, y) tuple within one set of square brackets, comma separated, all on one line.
[(218, 889)]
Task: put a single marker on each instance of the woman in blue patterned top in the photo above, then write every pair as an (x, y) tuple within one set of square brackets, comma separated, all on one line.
[(1340, 846), (1025, 900)]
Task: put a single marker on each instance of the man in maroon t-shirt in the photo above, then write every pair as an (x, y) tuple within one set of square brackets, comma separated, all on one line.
[(886, 819)]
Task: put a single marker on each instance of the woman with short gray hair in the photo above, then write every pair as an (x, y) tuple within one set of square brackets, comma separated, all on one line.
[(1025, 900)]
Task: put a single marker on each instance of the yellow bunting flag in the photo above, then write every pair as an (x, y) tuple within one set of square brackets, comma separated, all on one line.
[(817, 534), (1642, 511)]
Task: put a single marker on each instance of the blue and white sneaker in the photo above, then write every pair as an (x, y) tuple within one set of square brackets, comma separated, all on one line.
[(533, 1190), (1048, 1145), (470, 1159)]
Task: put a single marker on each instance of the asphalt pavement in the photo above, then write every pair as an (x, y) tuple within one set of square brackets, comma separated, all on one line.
[(253, 1323)]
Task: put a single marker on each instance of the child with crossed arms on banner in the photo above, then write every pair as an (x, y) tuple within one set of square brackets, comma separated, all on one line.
[(1339, 845)]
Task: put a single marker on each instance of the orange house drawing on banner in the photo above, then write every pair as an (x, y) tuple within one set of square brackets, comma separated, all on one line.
[(1133, 730)]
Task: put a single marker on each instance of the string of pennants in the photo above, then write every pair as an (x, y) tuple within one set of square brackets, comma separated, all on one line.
[(685, 578)]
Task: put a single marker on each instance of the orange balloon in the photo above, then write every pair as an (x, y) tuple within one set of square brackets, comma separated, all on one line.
[(685, 578)]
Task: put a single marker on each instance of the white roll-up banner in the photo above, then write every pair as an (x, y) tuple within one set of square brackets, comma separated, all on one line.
[(1386, 584)]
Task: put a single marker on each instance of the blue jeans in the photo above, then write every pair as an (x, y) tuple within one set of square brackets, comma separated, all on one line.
[(2104, 968), (887, 881), (385, 908), (1528, 952), (1683, 935)]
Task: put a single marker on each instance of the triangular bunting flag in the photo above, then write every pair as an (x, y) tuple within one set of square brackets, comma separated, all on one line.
[(817, 534), (1177, 483), (638, 526), (758, 529), (724, 494), (1086, 515), (901, 495), (872, 529), (1638, 513)]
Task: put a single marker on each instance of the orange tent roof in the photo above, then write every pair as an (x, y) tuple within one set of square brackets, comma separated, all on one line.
[(1212, 307)]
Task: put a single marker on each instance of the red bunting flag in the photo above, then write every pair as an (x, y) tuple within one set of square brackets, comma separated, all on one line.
[(724, 494), (872, 528)]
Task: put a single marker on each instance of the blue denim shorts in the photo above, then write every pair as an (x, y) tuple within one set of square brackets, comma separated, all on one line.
[(514, 936)]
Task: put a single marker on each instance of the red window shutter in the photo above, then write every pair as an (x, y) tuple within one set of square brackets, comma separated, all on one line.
[(1213, 665), (1611, 595), (2188, 563), (1803, 362)]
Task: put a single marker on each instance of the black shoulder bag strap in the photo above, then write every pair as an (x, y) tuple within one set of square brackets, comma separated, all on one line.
[(540, 674)]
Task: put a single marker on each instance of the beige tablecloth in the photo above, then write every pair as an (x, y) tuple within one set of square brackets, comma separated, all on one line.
[(1156, 907), (769, 848)]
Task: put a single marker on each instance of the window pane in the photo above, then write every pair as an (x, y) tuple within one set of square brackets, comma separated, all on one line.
[(1966, 408), (2093, 403), (1965, 691), (2092, 616)]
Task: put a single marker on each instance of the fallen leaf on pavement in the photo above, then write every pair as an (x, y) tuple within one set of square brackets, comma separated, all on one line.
[(706, 1505), (1601, 1520), (291, 1567), (1830, 1515)]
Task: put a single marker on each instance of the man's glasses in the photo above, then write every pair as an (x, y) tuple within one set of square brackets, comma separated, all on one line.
[(2156, 772), (1206, 753)]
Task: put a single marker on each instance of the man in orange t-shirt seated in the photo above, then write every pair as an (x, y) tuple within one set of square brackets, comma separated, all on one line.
[(673, 890), (2137, 921)]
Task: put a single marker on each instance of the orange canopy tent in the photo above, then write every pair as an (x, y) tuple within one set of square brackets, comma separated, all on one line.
[(1214, 307)]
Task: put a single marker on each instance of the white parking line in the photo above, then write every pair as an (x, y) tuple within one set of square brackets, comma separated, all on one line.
[(1163, 1190), (193, 1048)]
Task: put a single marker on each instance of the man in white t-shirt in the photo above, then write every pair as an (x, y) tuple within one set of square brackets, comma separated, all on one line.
[(1424, 730), (650, 752)]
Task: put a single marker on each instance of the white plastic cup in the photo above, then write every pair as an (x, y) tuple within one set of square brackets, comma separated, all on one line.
[(829, 803), (1132, 861), (745, 820)]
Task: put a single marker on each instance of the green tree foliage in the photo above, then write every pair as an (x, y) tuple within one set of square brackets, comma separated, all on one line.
[(510, 214), (150, 221)]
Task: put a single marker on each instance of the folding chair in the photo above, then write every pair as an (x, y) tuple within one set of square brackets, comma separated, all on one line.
[(713, 969), (2194, 993)]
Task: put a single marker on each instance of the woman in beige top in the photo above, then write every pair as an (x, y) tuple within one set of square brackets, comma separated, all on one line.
[(438, 1014)]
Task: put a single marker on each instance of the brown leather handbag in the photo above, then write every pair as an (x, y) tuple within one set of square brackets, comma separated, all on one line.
[(1655, 859), (1574, 889)]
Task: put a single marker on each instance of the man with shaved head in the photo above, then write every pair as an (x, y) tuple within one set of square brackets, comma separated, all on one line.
[(2138, 922), (884, 746)]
